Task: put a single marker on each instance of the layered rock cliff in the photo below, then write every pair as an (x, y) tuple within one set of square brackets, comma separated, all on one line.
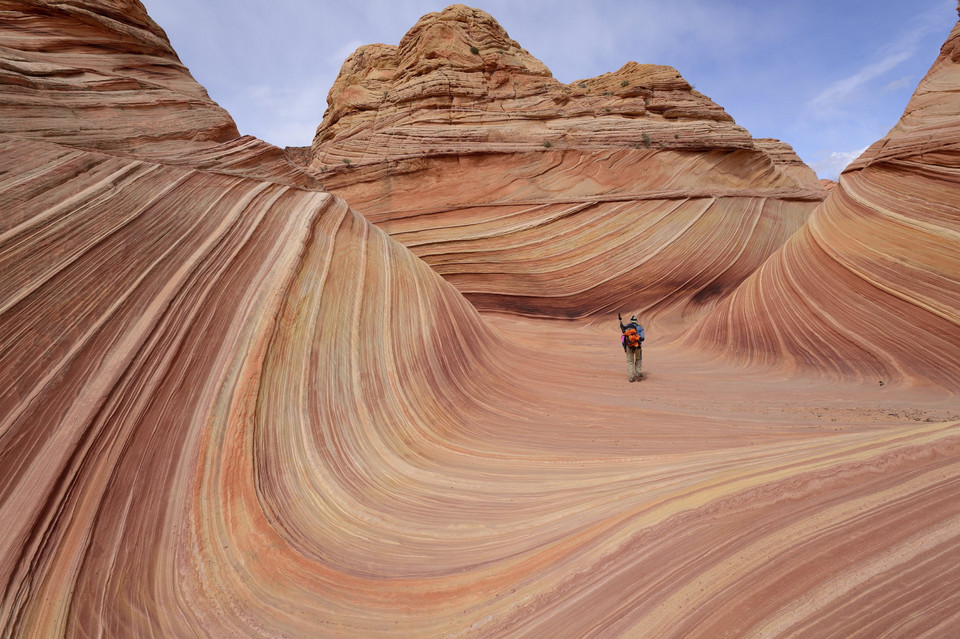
[(232, 407), (870, 286), (547, 199), (158, 271), (104, 77)]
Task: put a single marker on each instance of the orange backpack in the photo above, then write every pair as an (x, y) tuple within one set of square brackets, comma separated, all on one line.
[(631, 338)]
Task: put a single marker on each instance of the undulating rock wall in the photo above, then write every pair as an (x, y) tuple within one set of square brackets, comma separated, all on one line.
[(160, 274), (101, 75), (870, 286), (194, 368), (631, 191), (232, 407), (105, 78)]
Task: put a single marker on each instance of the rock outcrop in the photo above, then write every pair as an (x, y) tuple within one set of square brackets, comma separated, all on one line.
[(546, 199), (870, 286), (158, 271), (230, 406), (106, 79)]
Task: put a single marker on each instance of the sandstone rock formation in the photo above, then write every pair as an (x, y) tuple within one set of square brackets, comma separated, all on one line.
[(888, 243), (828, 185), (547, 199), (232, 407), (107, 79)]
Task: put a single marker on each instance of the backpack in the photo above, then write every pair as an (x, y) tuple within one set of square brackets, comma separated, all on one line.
[(631, 338)]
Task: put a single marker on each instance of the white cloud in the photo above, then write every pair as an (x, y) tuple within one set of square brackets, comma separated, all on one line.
[(337, 58), (830, 101), (905, 82), (833, 165), (840, 91), (291, 113)]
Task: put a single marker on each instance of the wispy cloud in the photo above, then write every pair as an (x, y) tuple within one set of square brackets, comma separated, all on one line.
[(840, 91), (295, 112), (833, 165), (828, 102), (906, 81), (342, 52)]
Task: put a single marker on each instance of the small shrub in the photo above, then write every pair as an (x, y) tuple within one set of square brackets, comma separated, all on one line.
[(625, 83), (646, 140), (607, 93), (547, 144), (646, 102), (474, 51), (346, 161), (582, 85), (676, 136), (607, 109)]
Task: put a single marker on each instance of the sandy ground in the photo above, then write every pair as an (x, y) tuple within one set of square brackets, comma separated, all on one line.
[(681, 385)]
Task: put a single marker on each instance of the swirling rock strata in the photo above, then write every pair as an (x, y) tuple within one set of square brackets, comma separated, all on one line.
[(232, 407), (578, 234), (870, 286), (546, 199), (105, 78), (101, 75)]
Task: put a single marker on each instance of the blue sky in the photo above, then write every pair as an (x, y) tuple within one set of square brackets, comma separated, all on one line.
[(830, 77)]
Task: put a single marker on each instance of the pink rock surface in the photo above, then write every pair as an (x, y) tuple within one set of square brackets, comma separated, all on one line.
[(458, 84), (544, 199), (101, 75), (230, 407), (585, 234), (870, 286), (104, 78)]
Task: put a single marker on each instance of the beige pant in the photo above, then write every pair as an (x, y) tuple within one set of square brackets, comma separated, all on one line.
[(634, 362)]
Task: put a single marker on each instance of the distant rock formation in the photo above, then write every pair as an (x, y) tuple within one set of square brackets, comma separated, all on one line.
[(458, 84), (230, 406), (101, 75), (870, 286), (787, 160), (546, 199)]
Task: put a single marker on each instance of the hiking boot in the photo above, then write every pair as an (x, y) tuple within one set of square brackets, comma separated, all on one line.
[(631, 379)]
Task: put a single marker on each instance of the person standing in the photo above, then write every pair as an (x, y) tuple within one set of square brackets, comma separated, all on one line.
[(633, 346)]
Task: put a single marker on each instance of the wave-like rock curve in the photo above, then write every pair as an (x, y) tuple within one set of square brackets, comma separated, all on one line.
[(232, 407), (870, 286), (631, 191)]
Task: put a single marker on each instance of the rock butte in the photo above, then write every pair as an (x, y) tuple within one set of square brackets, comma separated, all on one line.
[(231, 406), (545, 199)]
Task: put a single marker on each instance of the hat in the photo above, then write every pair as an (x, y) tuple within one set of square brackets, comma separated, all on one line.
[(633, 319)]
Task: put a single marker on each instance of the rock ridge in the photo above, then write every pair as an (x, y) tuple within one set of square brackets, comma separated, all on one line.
[(450, 138), (458, 84), (106, 79), (869, 288)]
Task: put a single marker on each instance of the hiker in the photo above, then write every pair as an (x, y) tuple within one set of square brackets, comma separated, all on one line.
[(632, 339)]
